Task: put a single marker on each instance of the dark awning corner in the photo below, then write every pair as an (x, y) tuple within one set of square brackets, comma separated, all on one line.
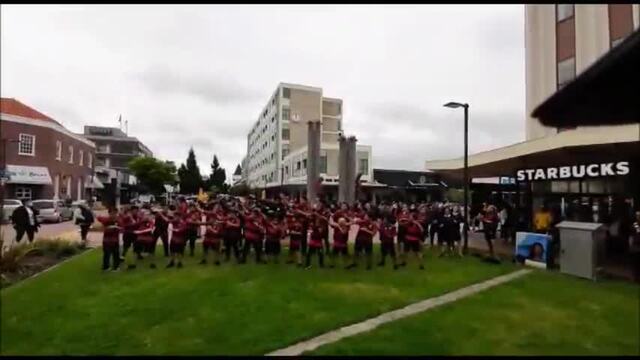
[(607, 93)]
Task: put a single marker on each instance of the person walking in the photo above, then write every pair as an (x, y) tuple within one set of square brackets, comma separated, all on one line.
[(25, 220), (84, 218)]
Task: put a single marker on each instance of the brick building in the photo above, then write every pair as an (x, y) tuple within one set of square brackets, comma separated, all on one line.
[(40, 157)]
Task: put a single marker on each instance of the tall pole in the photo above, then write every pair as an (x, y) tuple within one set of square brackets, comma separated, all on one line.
[(466, 178)]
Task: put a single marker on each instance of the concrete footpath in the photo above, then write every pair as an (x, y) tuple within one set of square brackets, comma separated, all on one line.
[(415, 308)]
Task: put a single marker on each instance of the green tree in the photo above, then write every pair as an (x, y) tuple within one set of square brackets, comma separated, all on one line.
[(189, 175), (152, 173), (217, 178)]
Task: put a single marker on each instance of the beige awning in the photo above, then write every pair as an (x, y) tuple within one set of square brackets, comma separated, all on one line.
[(32, 175)]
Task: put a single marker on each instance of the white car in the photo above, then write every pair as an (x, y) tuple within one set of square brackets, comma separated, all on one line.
[(52, 210), (8, 206)]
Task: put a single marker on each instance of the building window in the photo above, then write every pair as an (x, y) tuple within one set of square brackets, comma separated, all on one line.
[(273, 119), (285, 151), (70, 154), (286, 93), (304, 163), (285, 134), (27, 145), (564, 11), (273, 138), (58, 150), (323, 164), (566, 71), (286, 112), (81, 160), (89, 160), (23, 193), (298, 165), (363, 166)]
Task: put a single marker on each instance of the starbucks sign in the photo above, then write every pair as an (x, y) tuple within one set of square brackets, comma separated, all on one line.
[(619, 168)]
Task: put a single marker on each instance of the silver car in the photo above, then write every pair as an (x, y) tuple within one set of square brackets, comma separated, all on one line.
[(7, 208), (52, 210)]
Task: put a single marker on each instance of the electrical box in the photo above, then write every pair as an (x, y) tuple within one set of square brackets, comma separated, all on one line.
[(581, 248)]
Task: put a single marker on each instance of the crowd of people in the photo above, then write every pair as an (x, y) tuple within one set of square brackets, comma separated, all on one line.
[(234, 228)]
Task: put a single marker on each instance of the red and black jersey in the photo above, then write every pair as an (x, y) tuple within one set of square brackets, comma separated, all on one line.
[(340, 236), (340, 214), (387, 233), (144, 232), (179, 231), (252, 228), (232, 229), (414, 232), (128, 223), (111, 232), (274, 232), (296, 230), (317, 233), (366, 225), (214, 232)]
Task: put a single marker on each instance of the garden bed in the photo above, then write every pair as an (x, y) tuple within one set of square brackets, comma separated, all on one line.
[(26, 260)]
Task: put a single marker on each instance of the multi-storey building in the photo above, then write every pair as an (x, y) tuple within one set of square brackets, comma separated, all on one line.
[(277, 141), (114, 149), (40, 158)]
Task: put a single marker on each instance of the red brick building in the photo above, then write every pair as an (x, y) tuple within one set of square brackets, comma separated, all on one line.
[(40, 157)]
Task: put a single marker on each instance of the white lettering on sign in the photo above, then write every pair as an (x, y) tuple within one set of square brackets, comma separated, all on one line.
[(619, 168)]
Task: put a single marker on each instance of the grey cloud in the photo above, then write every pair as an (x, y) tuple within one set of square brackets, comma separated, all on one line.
[(209, 87)]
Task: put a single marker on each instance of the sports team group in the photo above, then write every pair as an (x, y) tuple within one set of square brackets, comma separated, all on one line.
[(234, 228)]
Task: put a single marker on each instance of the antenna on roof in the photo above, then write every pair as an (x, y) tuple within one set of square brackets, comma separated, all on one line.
[(126, 127), (120, 121)]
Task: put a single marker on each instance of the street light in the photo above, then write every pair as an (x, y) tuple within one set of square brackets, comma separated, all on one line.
[(456, 105)]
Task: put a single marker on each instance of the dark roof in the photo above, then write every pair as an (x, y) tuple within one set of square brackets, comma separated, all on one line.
[(406, 178), (607, 93), (238, 170)]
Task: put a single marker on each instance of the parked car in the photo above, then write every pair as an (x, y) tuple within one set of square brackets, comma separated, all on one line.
[(8, 206), (52, 210)]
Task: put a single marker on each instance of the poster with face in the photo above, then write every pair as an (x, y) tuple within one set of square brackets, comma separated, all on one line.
[(532, 246)]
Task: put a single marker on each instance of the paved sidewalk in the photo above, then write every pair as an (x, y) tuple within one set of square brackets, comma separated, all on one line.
[(370, 324)]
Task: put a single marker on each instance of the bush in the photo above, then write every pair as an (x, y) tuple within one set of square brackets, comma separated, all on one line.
[(58, 247), (10, 260)]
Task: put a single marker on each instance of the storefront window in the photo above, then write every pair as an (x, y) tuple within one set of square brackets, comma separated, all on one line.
[(574, 186), (23, 193)]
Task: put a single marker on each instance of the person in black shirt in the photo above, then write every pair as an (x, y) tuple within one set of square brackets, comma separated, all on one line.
[(161, 230)]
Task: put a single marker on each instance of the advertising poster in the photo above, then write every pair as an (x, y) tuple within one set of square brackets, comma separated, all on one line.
[(532, 246)]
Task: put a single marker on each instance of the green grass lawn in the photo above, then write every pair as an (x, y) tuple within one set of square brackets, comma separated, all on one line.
[(539, 314), (198, 310)]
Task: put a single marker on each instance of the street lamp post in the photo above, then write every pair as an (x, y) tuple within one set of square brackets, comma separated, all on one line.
[(465, 106)]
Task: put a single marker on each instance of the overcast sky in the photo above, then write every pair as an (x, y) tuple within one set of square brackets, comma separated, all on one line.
[(199, 75)]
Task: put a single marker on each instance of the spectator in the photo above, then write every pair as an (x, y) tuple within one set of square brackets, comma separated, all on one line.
[(83, 217), (25, 219)]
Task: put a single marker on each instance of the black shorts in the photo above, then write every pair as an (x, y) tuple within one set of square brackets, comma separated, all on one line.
[(177, 247), (213, 245), (272, 247), (388, 248), (415, 246), (366, 246), (139, 246), (336, 250)]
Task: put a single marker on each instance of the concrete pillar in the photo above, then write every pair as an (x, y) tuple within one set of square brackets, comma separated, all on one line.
[(313, 160), (342, 169), (351, 169)]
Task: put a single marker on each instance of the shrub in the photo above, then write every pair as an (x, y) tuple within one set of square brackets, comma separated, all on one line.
[(58, 247), (10, 260)]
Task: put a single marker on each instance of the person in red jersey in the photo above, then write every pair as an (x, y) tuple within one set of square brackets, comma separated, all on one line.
[(302, 209), (193, 219), (232, 235), (110, 240), (322, 214), (387, 234), (213, 237), (178, 241), (253, 235), (129, 222), (296, 233), (413, 239), (367, 228), (403, 217), (274, 233), (315, 243), (145, 241), (340, 246)]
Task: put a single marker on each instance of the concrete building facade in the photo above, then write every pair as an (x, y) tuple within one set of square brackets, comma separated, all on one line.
[(277, 142)]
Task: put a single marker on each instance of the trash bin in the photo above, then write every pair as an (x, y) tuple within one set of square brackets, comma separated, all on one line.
[(581, 248)]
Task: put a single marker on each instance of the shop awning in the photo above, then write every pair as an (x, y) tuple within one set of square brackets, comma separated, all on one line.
[(93, 183), (32, 175), (606, 93), (568, 147)]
